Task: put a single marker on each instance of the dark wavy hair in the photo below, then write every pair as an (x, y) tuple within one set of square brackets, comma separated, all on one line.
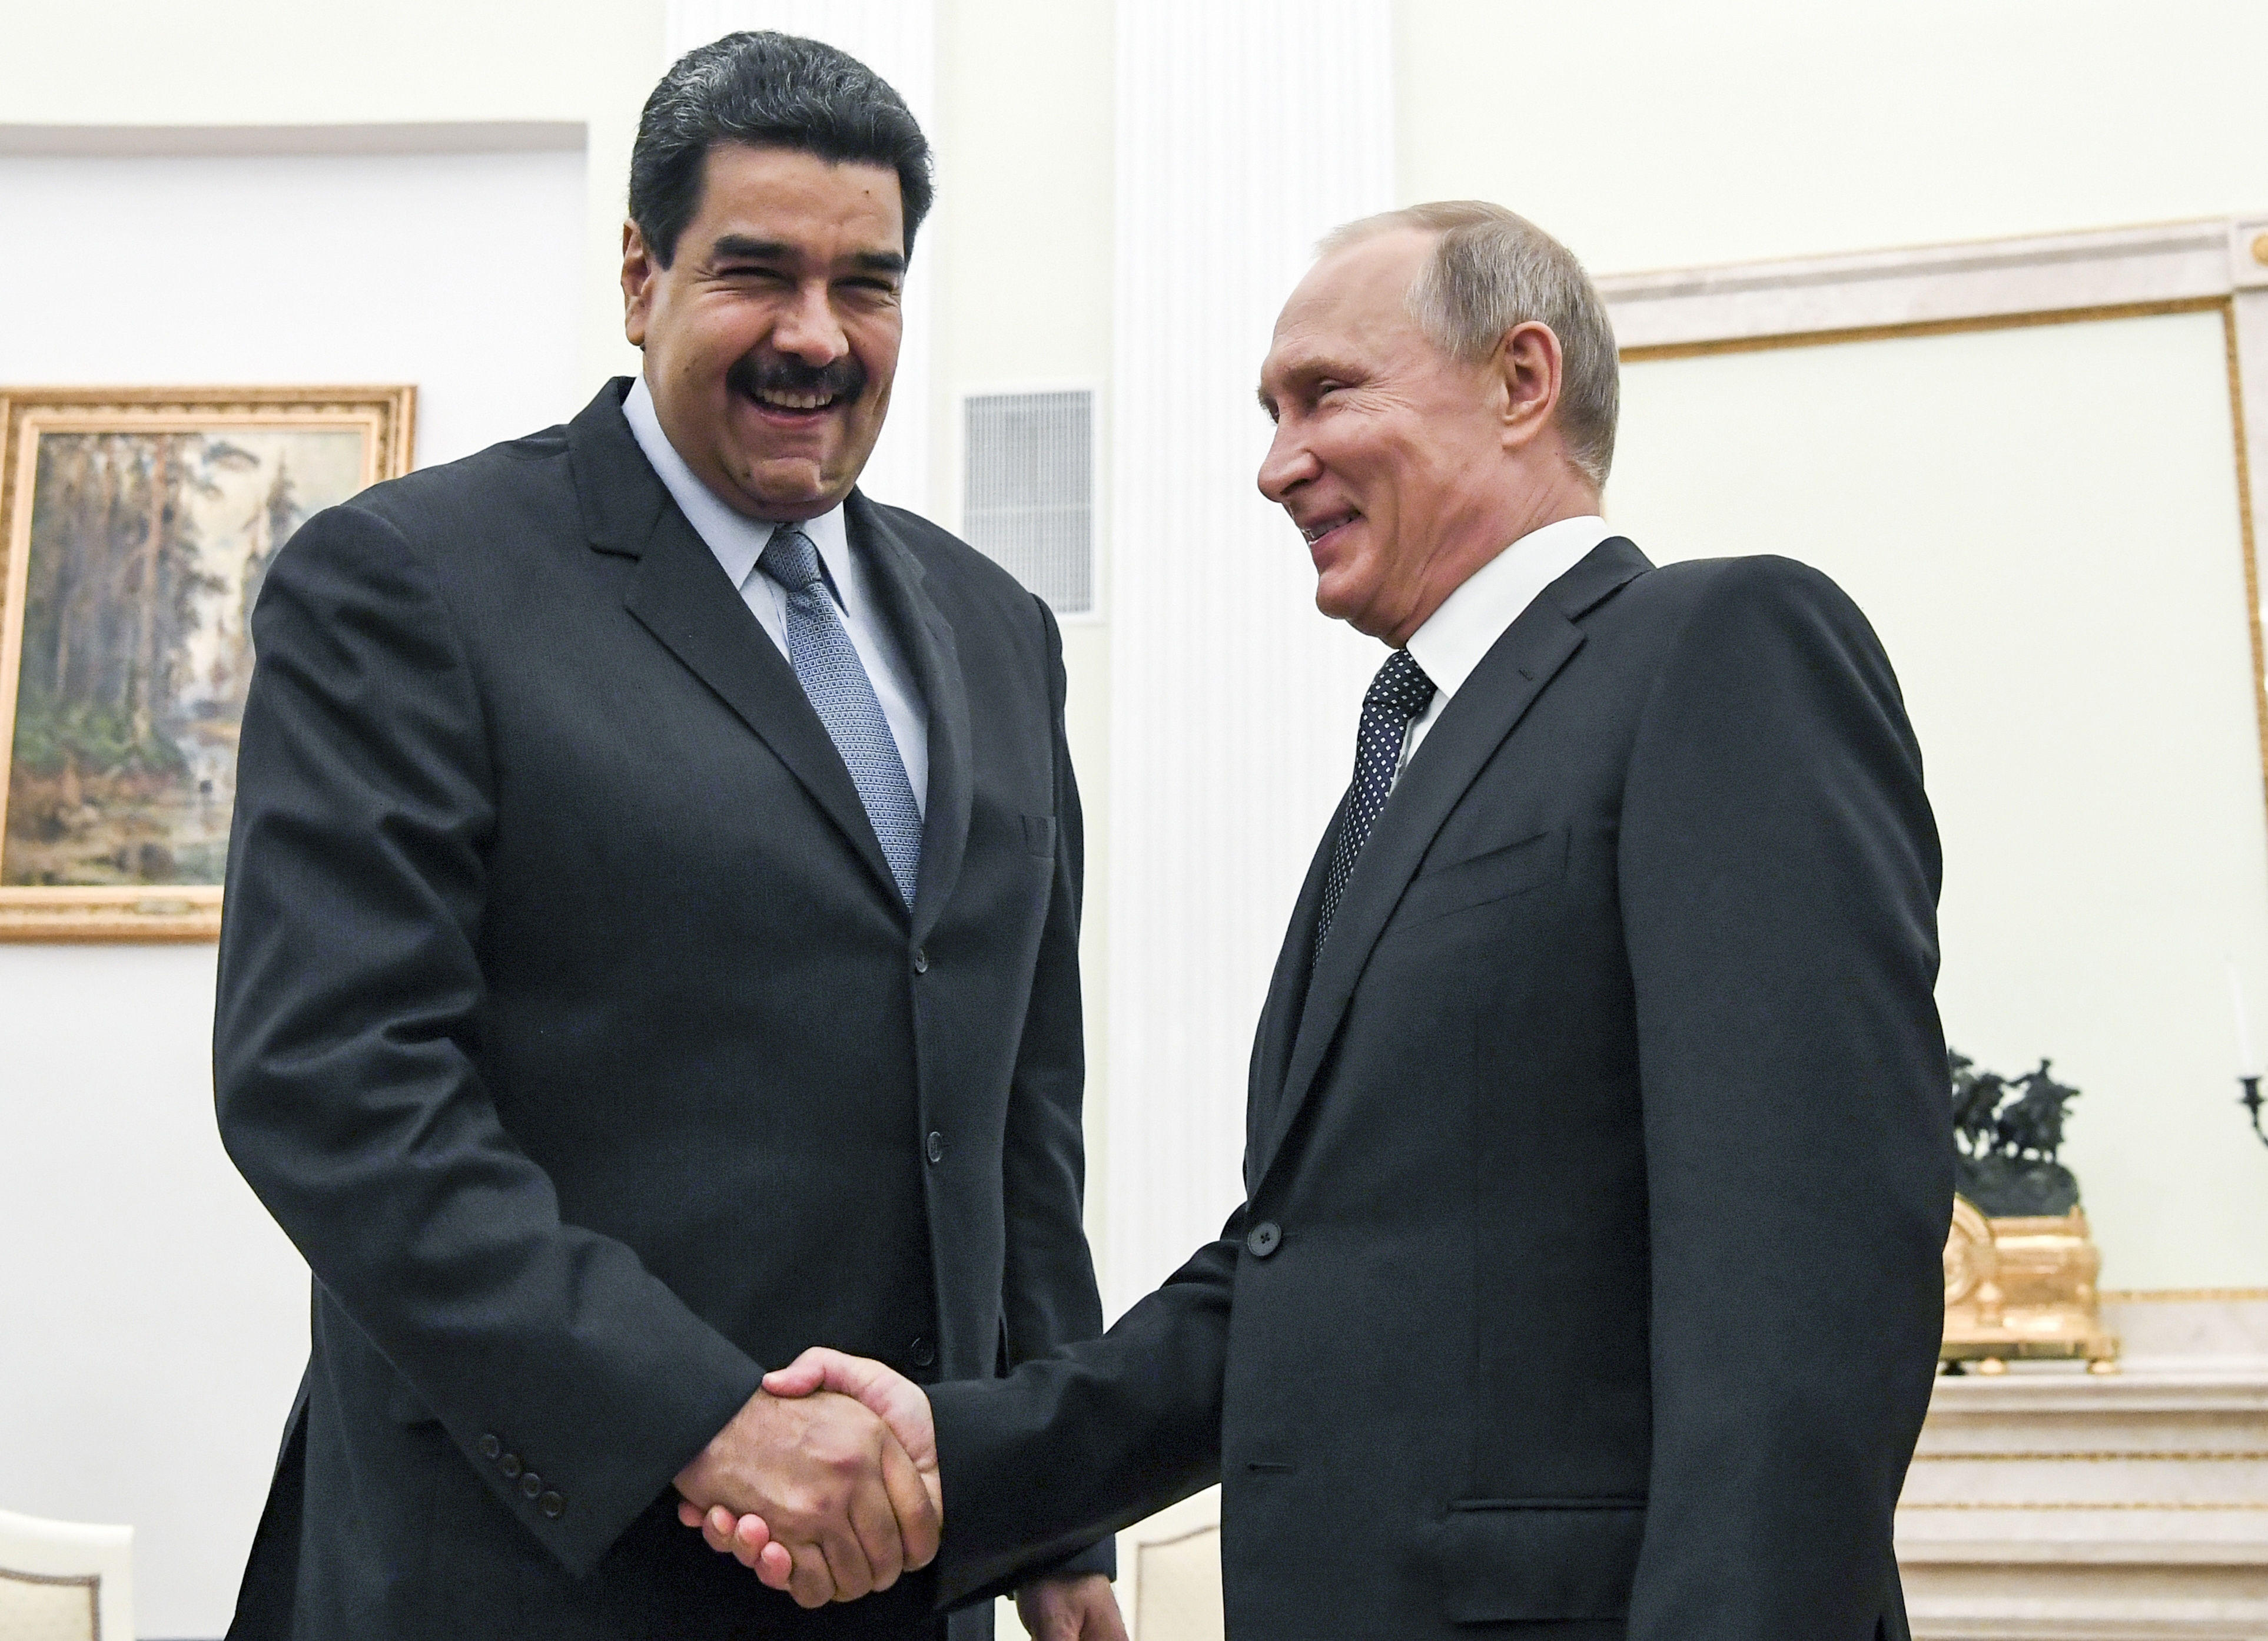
[(768, 90)]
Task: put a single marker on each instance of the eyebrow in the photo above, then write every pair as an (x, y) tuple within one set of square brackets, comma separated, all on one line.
[(746, 248), (1306, 368), (743, 244)]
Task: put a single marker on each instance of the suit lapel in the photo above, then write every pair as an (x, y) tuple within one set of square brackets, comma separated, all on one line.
[(1480, 715), (900, 584), (1287, 994), (681, 595)]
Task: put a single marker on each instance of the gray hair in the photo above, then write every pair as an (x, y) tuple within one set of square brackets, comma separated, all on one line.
[(1491, 270)]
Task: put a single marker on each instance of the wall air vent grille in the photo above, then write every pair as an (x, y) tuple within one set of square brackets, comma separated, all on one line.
[(1028, 490)]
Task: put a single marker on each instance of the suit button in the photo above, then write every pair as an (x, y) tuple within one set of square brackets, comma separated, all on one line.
[(511, 1466), (552, 1505), (1264, 1239), (936, 1146), (925, 1354), (490, 1447), (530, 1485), (921, 961)]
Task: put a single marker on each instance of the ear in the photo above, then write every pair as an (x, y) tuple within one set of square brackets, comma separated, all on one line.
[(1528, 363), (641, 273)]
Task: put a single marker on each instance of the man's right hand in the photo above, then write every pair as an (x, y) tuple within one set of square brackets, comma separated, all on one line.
[(767, 1543), (843, 1509)]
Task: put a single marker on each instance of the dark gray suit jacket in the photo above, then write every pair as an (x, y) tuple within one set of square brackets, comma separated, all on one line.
[(1588, 1282), (570, 1025)]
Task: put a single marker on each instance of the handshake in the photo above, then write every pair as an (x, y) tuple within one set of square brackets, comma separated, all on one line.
[(826, 1485)]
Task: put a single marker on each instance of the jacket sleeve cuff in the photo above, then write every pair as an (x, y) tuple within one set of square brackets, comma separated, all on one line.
[(1103, 1558), (1100, 1557)]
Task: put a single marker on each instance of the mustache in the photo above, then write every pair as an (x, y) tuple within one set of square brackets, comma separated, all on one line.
[(843, 379)]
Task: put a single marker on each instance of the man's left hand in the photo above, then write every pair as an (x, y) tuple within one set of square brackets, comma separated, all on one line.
[(1075, 1607)]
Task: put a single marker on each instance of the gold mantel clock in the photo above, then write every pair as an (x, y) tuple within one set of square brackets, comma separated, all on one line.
[(2022, 1289)]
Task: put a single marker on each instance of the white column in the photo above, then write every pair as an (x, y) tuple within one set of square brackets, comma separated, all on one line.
[(897, 39), (1244, 132)]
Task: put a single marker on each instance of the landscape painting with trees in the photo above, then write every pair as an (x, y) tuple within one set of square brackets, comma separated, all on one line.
[(137, 548)]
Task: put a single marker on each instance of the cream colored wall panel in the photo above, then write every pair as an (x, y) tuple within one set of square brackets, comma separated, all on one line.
[(281, 268), (1023, 263), (1169, 1583), (1654, 133), (250, 62), (1243, 133), (2042, 524), (156, 1319)]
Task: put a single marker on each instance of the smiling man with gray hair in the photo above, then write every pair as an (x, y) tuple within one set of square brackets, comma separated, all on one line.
[(1598, 1163)]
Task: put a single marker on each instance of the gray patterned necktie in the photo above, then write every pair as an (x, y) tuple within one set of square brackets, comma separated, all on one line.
[(1399, 692), (835, 683)]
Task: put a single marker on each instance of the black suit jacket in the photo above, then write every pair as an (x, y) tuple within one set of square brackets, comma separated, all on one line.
[(1589, 1278), (570, 1025)]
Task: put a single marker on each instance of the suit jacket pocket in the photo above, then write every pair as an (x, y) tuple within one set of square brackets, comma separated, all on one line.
[(1040, 833), (1479, 879), (1511, 1560)]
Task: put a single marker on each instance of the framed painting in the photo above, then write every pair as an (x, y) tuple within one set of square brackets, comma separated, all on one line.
[(136, 527)]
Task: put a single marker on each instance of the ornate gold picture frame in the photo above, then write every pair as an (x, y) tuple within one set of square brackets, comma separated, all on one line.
[(136, 527)]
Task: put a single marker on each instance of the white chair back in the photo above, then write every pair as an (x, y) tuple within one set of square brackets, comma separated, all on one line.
[(65, 1580), (1169, 1572)]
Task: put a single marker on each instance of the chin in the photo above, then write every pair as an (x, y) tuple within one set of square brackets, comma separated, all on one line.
[(788, 488), (1340, 603)]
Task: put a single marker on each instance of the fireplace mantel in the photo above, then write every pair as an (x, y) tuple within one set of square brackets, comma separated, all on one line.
[(2048, 1504)]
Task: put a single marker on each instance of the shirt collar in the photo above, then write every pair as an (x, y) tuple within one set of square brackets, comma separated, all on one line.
[(1457, 636), (735, 539)]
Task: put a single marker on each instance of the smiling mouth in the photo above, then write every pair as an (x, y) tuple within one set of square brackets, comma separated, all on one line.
[(1322, 527), (780, 405), (783, 391)]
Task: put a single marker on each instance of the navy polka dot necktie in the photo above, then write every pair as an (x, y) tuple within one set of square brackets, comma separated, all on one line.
[(835, 683), (1399, 692)]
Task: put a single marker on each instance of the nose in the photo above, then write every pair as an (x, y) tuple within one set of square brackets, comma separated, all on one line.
[(1288, 465), (808, 329)]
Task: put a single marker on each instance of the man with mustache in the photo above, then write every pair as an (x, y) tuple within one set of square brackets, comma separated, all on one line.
[(1599, 1161), (651, 949)]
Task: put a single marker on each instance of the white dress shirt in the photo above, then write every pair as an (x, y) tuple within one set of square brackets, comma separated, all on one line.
[(738, 540), (1471, 619)]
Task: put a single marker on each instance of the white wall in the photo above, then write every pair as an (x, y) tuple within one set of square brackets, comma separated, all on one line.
[(156, 1335), (250, 63), (1232, 701), (1022, 254), (1659, 134), (456, 272), (2042, 525), (156, 1319)]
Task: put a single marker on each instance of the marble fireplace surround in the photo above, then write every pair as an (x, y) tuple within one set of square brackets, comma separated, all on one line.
[(2051, 1505)]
